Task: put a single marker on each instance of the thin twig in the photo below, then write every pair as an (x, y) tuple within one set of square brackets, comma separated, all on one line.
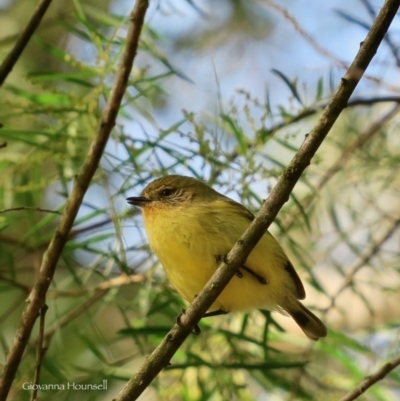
[(50, 259), (37, 209), (25, 288), (346, 282), (308, 113), (315, 45), (13, 56), (349, 278), (354, 146), (359, 101), (82, 308), (364, 261), (371, 380), (351, 103), (307, 37), (40, 351), (77, 231), (99, 292), (106, 285), (5, 239), (357, 144), (16, 305), (162, 355)]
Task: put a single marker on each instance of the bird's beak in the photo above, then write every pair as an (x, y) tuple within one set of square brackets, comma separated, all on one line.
[(139, 201)]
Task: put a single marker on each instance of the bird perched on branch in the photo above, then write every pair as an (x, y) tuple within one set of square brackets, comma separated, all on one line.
[(191, 227)]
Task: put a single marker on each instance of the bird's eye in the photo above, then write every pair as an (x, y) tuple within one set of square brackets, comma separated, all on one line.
[(167, 192)]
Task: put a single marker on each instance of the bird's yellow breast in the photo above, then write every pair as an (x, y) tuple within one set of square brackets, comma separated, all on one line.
[(188, 241)]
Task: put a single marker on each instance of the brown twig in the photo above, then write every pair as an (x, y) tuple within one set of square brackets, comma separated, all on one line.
[(360, 141), (40, 351), (82, 308), (371, 380), (77, 231), (37, 209), (357, 144), (315, 45), (106, 285), (364, 260), (349, 279), (12, 308), (307, 37), (50, 259), (99, 293), (161, 356), (25, 288), (372, 100), (351, 103), (9, 62), (72, 234)]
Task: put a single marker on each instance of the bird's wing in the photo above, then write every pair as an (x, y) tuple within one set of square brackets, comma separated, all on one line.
[(238, 208)]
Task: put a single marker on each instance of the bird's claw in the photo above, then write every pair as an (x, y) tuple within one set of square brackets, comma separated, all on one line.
[(196, 329)]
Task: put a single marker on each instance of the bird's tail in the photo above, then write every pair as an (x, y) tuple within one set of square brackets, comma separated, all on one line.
[(308, 322)]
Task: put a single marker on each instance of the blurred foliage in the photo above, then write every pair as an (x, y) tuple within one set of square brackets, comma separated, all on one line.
[(238, 22), (110, 304)]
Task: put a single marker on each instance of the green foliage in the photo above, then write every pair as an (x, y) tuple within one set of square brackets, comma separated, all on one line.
[(340, 226)]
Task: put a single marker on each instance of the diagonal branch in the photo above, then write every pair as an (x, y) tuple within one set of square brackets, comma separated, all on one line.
[(364, 137), (313, 110), (371, 380), (388, 40), (357, 144), (8, 63), (37, 209), (99, 292), (313, 43), (50, 259), (161, 356), (374, 249)]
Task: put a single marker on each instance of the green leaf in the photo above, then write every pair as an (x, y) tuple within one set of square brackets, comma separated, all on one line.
[(292, 85), (76, 78), (320, 90), (42, 99), (237, 132)]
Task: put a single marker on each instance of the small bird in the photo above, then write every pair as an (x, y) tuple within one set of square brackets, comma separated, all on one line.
[(191, 228)]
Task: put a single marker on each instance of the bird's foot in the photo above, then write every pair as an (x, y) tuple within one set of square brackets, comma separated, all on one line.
[(222, 259), (261, 279), (217, 312), (239, 273), (196, 329)]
